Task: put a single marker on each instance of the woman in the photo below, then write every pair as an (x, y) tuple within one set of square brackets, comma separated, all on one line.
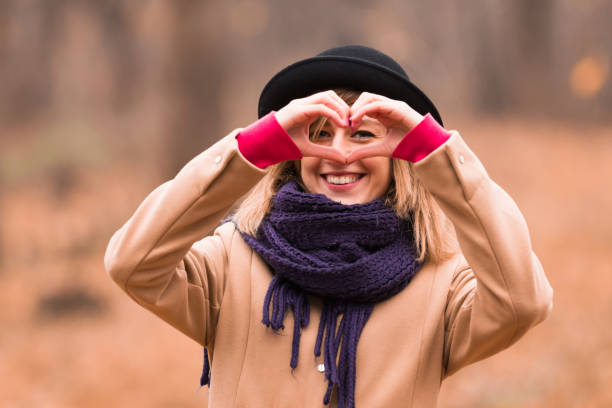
[(337, 280)]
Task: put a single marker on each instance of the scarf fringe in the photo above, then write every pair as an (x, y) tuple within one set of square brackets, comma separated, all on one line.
[(338, 342), (205, 378)]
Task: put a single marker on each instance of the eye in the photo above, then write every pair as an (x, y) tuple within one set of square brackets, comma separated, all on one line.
[(363, 134), (323, 134)]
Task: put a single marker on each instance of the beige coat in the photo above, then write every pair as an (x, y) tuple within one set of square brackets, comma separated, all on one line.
[(212, 288)]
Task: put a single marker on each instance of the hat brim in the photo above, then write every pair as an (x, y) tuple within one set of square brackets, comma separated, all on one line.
[(316, 74)]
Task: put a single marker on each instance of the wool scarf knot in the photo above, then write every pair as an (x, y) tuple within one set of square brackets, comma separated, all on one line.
[(351, 256)]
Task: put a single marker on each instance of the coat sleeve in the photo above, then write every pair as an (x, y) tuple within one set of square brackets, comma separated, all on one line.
[(161, 257), (499, 289)]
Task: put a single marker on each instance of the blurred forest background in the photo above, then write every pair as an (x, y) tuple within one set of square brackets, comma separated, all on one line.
[(101, 101)]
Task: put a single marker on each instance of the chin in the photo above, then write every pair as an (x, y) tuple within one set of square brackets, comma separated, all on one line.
[(346, 200)]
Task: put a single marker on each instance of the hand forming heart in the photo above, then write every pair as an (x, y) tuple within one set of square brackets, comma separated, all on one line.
[(397, 116), (297, 116)]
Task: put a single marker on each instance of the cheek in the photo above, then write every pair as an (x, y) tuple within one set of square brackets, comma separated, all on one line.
[(308, 170), (380, 170)]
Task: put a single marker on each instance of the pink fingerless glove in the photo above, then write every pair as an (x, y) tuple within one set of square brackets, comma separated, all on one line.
[(265, 142), (423, 139)]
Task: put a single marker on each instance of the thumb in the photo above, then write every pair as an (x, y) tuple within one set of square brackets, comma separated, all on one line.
[(324, 152), (368, 151)]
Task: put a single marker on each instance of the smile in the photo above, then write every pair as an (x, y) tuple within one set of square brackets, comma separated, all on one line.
[(343, 179)]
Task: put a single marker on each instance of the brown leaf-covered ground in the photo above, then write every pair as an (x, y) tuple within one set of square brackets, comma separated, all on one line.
[(71, 338)]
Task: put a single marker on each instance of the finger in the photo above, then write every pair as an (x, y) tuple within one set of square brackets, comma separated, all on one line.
[(341, 101), (364, 99), (376, 110), (368, 151), (333, 101), (309, 113), (324, 152)]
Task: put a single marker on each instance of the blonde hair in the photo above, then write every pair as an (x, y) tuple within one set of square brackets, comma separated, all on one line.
[(433, 233)]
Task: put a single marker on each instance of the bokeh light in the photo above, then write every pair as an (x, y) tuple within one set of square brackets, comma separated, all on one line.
[(588, 76)]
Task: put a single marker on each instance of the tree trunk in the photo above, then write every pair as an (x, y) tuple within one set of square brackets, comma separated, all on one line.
[(196, 78)]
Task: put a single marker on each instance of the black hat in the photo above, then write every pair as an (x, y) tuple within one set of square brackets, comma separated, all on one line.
[(353, 66)]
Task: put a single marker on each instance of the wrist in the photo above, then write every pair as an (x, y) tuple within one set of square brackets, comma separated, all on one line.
[(421, 140), (265, 142), (414, 118)]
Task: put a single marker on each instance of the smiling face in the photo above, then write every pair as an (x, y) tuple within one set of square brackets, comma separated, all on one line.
[(356, 183)]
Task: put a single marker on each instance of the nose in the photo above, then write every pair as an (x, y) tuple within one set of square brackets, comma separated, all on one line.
[(341, 141)]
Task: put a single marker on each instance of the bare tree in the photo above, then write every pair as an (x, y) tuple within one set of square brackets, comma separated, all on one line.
[(533, 35), (196, 77)]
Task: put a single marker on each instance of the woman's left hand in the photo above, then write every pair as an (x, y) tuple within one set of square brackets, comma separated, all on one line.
[(397, 116)]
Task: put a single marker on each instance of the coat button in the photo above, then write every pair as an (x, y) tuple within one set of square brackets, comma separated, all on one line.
[(321, 368), (217, 159), (461, 159)]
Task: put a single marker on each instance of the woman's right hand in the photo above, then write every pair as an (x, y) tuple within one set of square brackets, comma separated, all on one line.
[(297, 116)]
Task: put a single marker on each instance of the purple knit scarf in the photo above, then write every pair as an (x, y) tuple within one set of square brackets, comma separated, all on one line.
[(352, 256)]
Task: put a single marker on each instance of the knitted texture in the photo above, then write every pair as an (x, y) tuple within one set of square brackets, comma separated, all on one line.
[(352, 256)]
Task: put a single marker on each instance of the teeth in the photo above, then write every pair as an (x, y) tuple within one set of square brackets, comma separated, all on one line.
[(340, 179)]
